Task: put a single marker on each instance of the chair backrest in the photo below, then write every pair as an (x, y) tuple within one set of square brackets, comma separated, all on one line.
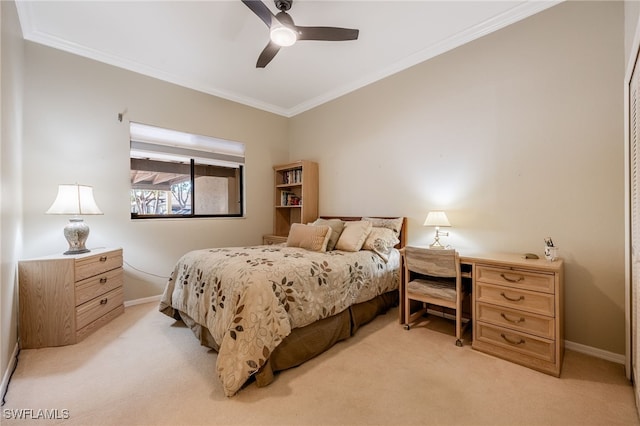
[(433, 262)]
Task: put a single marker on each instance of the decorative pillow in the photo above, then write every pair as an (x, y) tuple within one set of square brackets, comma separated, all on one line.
[(381, 241), (395, 223), (353, 235), (336, 225), (309, 237)]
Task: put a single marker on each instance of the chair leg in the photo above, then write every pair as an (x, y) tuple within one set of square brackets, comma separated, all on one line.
[(407, 313), (458, 326)]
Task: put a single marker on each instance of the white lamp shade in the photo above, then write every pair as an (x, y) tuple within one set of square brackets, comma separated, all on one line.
[(437, 218), (74, 200)]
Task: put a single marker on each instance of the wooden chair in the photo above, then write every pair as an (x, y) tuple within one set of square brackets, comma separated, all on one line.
[(432, 276)]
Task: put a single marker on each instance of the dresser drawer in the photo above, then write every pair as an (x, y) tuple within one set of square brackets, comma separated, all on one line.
[(530, 301), (94, 309), (539, 325), (98, 285), (522, 343), (93, 265), (519, 278)]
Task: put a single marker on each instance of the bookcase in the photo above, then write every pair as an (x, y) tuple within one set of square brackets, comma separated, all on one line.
[(296, 195)]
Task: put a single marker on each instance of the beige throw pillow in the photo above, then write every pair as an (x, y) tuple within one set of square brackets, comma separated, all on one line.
[(309, 237), (353, 235), (336, 225)]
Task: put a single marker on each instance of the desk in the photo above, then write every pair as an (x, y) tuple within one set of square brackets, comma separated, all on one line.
[(516, 308)]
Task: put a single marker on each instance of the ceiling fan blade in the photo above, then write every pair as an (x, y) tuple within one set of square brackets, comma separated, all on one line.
[(267, 54), (327, 33), (261, 10)]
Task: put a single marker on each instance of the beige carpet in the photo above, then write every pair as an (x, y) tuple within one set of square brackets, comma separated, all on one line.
[(145, 369)]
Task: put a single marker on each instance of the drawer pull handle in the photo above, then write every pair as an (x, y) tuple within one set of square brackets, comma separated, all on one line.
[(518, 321), (511, 280), (104, 301), (519, 299), (103, 258), (512, 342), (103, 280)]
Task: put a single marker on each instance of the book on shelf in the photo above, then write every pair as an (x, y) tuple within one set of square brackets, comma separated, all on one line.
[(288, 198), (292, 176)]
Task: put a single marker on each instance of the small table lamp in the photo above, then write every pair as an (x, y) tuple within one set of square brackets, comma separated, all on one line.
[(437, 219), (75, 200)]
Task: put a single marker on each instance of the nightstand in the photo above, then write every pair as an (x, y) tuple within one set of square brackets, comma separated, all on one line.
[(273, 239), (63, 298)]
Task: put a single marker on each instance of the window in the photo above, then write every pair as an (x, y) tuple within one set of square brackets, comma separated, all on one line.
[(176, 174)]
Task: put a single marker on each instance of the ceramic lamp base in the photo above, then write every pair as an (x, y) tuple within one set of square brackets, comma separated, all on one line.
[(76, 233)]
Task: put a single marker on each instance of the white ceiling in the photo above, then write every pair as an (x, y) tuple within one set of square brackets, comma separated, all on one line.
[(212, 46)]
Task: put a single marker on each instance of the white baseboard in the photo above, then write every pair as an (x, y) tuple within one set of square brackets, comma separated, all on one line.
[(598, 353), (9, 370), (577, 347), (143, 300), (588, 350)]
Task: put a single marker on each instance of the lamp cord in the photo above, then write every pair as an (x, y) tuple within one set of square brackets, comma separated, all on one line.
[(4, 395), (145, 272)]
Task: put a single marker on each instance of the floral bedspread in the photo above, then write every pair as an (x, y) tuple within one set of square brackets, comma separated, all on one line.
[(250, 298)]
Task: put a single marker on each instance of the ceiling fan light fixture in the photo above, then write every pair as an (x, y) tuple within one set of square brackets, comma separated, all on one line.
[(283, 36)]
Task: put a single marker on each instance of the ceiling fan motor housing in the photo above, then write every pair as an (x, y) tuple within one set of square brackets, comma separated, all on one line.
[(283, 4)]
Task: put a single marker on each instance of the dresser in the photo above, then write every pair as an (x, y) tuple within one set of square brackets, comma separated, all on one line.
[(63, 298), (517, 310)]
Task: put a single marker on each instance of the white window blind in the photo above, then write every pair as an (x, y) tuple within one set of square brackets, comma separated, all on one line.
[(157, 143)]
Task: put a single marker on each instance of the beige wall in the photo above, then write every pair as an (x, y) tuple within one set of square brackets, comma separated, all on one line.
[(631, 14), (11, 59), (518, 136), (72, 135)]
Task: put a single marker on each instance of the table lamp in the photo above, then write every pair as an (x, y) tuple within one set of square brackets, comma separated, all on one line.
[(75, 200), (437, 219)]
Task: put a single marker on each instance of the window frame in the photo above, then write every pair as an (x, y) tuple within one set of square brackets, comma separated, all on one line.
[(175, 151)]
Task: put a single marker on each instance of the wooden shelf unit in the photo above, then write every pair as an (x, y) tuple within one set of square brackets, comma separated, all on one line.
[(296, 195)]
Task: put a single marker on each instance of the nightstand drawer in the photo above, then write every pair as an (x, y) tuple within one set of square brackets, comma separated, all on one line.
[(524, 344), (526, 280), (94, 309), (540, 325), (530, 301), (93, 265), (93, 287), (273, 239)]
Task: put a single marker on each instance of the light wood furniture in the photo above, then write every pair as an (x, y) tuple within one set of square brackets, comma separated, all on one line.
[(433, 277), (63, 298), (296, 196), (273, 239), (518, 310)]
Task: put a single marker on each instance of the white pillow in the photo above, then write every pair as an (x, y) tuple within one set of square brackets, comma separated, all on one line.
[(353, 235), (381, 241), (395, 223)]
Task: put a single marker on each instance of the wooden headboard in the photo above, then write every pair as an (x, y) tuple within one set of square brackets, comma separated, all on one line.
[(403, 230)]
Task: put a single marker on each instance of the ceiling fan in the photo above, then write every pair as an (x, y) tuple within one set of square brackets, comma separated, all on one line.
[(283, 32)]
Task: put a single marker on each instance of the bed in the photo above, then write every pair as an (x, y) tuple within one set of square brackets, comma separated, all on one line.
[(268, 308)]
